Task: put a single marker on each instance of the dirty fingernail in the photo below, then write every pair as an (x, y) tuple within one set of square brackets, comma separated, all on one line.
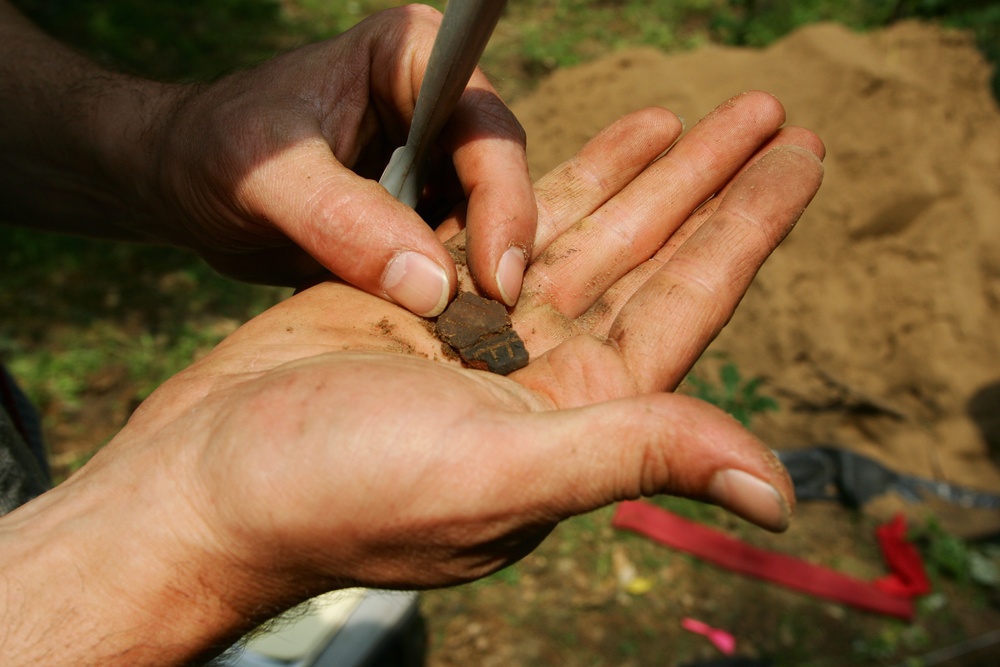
[(510, 274), (417, 283), (753, 499)]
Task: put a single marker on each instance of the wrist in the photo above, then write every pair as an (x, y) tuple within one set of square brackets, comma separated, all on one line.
[(73, 137), (124, 135), (113, 568)]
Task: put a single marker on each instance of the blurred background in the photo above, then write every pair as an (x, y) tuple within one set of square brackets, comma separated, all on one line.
[(90, 328)]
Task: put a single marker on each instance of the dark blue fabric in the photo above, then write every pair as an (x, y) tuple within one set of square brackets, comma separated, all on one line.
[(24, 471), (25, 418)]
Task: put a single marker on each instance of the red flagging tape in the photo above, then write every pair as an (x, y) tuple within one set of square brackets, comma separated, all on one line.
[(718, 548), (908, 577)]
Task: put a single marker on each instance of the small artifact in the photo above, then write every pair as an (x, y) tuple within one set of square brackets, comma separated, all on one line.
[(480, 331)]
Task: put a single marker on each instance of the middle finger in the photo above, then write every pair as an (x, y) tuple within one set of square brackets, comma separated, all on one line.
[(590, 256)]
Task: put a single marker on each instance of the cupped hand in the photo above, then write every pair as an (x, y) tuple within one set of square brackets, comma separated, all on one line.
[(272, 172), (333, 441)]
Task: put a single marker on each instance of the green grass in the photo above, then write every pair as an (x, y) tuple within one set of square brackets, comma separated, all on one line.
[(891, 638), (84, 316)]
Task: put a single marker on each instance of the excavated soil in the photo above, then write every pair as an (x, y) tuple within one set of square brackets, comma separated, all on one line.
[(877, 323)]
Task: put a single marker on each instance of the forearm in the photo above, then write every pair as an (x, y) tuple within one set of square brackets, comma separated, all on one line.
[(72, 137), (98, 574)]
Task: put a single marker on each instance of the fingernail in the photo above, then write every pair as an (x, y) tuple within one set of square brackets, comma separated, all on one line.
[(510, 274), (417, 283), (751, 498)]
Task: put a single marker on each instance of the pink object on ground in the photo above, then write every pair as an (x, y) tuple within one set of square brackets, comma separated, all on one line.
[(723, 641)]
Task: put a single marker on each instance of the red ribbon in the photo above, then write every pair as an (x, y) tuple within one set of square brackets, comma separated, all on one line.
[(908, 577), (891, 595)]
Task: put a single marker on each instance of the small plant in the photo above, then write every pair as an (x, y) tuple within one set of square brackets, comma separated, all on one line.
[(739, 397), (890, 640), (945, 554), (949, 556)]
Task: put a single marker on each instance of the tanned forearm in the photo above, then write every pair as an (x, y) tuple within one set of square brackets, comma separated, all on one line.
[(102, 572), (73, 137)]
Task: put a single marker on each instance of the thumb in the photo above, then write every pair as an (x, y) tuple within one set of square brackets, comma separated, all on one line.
[(648, 445), (356, 229)]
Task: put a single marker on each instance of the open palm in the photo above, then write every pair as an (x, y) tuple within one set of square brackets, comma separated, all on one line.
[(332, 441)]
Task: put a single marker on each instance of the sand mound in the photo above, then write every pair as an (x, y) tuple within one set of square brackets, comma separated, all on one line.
[(877, 323)]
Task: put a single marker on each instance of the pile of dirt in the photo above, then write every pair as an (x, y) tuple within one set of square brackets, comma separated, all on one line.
[(877, 323)]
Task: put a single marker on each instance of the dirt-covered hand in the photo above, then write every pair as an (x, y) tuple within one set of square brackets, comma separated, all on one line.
[(270, 174), (332, 441), (346, 437)]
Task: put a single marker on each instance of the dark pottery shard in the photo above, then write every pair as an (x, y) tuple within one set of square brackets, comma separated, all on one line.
[(480, 331), (501, 353), (470, 317)]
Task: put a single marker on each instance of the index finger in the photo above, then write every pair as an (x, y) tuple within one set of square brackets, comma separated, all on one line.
[(491, 162)]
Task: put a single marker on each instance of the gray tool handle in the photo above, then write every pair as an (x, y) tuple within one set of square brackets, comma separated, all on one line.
[(464, 32)]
